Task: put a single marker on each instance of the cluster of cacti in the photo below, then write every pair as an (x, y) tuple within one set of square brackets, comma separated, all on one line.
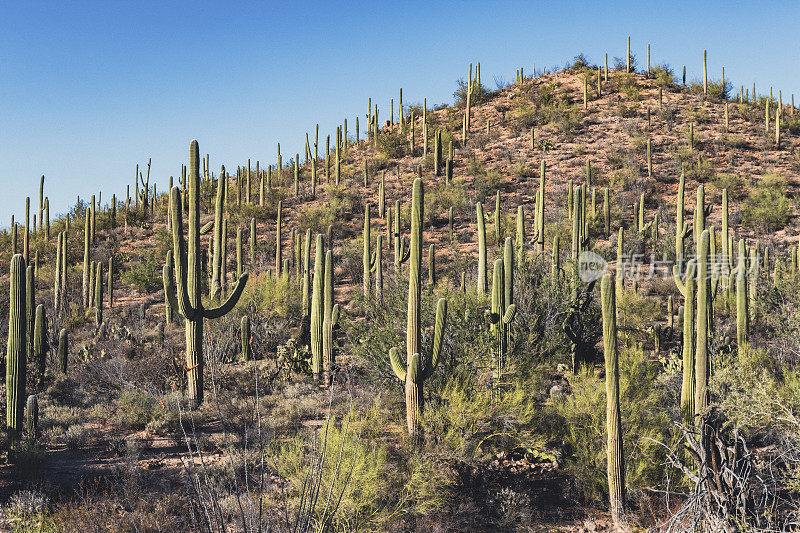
[(503, 308), (415, 371)]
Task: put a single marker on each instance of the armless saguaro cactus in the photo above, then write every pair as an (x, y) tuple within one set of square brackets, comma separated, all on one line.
[(614, 448), (40, 347), (414, 372), (245, 334), (481, 249), (317, 309), (216, 268), (500, 316), (16, 352), (742, 315), (187, 298), (330, 320), (63, 348), (701, 362)]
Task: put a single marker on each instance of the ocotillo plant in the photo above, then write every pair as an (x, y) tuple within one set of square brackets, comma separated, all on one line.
[(16, 350), (614, 447), (318, 309), (415, 372), (540, 209), (481, 249), (187, 298), (688, 289), (330, 320)]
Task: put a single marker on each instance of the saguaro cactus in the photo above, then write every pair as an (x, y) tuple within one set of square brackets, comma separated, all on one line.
[(742, 311), (481, 249), (414, 372), (688, 289), (187, 298), (63, 348), (701, 362), (245, 333), (614, 448), (330, 320), (86, 259), (500, 316), (318, 309), (98, 295), (40, 347), (16, 352), (32, 416)]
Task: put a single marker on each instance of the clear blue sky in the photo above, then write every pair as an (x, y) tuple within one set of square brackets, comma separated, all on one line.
[(89, 89)]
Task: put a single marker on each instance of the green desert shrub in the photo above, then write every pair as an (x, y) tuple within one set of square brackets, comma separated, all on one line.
[(767, 206), (664, 75)]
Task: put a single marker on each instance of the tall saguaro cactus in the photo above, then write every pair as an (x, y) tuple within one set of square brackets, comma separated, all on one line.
[(415, 372), (187, 298), (688, 289), (317, 309), (16, 352), (614, 448), (481, 249), (330, 320)]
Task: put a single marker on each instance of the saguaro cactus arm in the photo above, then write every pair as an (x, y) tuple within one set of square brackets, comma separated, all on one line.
[(397, 365), (438, 335), (230, 303)]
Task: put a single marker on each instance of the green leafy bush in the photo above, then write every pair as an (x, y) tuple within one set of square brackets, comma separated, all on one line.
[(767, 207)]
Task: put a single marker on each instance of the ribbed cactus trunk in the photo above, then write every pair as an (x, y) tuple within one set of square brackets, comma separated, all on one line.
[(307, 275), (279, 240), (317, 309), (481, 249), (701, 363), (330, 321), (188, 275), (367, 254), (98, 295), (378, 268), (30, 307), (413, 373), (216, 268), (520, 237), (688, 289), (244, 329), (86, 260), (32, 417), (168, 273), (40, 347), (63, 350), (16, 352), (742, 311), (614, 447)]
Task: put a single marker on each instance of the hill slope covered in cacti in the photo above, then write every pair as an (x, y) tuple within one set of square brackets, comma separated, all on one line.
[(580, 289)]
